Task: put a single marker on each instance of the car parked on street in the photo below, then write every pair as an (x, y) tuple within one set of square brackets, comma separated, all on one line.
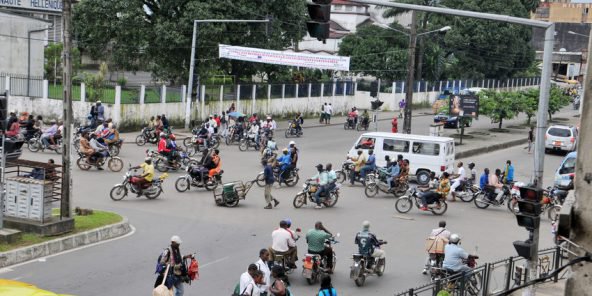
[(561, 138), (566, 172), (452, 121)]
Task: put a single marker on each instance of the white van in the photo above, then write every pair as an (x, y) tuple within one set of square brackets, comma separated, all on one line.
[(425, 153)]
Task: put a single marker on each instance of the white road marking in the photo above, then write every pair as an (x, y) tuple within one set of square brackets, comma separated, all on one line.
[(403, 218), (214, 262), (43, 259)]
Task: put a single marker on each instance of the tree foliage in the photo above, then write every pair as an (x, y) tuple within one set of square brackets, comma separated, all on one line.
[(557, 100), (53, 61), (498, 105)]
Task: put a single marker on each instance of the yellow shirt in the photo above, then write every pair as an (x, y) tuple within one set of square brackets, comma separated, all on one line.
[(444, 187), (148, 171), (359, 161)]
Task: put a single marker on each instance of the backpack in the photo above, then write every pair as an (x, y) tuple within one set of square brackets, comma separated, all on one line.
[(193, 270)]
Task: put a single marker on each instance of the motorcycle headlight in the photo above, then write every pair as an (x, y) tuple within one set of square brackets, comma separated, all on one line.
[(304, 185)]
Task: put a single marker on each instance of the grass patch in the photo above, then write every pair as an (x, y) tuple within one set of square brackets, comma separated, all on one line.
[(81, 224)]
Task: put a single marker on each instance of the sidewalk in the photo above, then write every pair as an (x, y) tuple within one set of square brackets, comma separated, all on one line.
[(547, 289)]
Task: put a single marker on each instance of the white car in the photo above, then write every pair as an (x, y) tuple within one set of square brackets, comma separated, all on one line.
[(561, 137)]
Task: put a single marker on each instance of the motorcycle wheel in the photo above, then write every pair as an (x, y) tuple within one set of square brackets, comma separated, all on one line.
[(76, 145), (299, 200), (187, 142), (358, 127), (260, 180), (243, 145), (360, 280), (115, 164), (441, 210), (58, 148), (381, 266), (401, 190), (182, 184), (332, 201), (228, 139), (466, 196), (33, 145), (216, 142), (114, 150), (210, 186), (191, 151), (118, 192), (553, 212), (81, 163), (161, 166), (345, 126), (480, 201), (232, 204), (140, 140), (153, 196), (371, 190), (513, 205), (311, 281), (292, 181), (287, 133), (403, 205), (340, 177)]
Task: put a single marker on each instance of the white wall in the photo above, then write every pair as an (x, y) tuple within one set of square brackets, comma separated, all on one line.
[(14, 50)]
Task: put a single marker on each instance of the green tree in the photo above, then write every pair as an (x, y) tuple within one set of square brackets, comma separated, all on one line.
[(53, 61), (498, 105), (528, 103), (557, 100), (95, 84), (377, 52)]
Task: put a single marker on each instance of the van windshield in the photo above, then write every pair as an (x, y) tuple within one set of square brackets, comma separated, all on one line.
[(569, 166)]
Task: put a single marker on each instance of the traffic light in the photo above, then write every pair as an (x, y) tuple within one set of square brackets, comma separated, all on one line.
[(374, 89), (3, 111), (320, 15), (528, 216), (376, 104)]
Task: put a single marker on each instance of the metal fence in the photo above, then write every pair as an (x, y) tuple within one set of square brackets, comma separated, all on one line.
[(492, 278), (23, 85), (439, 86)]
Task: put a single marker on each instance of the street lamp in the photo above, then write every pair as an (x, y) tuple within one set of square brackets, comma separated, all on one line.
[(411, 65), (575, 33)]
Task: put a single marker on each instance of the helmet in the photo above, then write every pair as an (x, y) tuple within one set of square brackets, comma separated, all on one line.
[(454, 238), (268, 117), (148, 160), (285, 150), (288, 222), (176, 239), (292, 143), (172, 137), (366, 225), (162, 135)]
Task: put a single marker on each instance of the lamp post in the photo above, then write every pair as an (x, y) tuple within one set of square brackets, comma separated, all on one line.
[(410, 81), (584, 83)]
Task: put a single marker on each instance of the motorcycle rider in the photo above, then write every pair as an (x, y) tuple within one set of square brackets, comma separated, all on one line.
[(85, 147), (253, 132), (298, 121), (352, 118), (359, 162), (100, 151), (203, 134), (459, 178), (284, 161), (404, 173), (293, 155), (454, 256), (322, 178), (484, 179), (428, 194), (365, 118), (369, 166), (473, 174), (438, 233), (393, 174), (147, 175), (163, 148), (368, 244), (315, 238), (217, 164), (283, 243), (269, 124), (331, 177), (494, 181)]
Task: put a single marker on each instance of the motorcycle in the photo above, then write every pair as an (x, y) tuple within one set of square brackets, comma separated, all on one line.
[(405, 203), (364, 266), (248, 142), (345, 173), (472, 284), (363, 124), (162, 164), (350, 123), (35, 144), (374, 185), (147, 136), (292, 130), (195, 143), (267, 155), (290, 181), (150, 190), (234, 135), (488, 198), (308, 192), (197, 176), (314, 266), (114, 163), (467, 191)]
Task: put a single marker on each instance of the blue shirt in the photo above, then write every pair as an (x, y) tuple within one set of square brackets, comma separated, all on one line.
[(268, 174), (285, 161), (510, 176), (395, 170), (483, 181), (453, 257), (328, 292), (366, 242), (371, 161)]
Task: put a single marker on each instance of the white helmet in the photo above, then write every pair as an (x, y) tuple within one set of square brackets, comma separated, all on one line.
[(176, 239), (292, 143), (162, 135), (366, 225), (454, 238)]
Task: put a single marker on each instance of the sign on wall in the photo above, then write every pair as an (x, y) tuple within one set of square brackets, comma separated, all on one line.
[(39, 5), (464, 105), (275, 57)]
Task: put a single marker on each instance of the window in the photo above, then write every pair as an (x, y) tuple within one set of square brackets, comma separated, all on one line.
[(349, 8), (337, 7), (366, 143), (425, 148), (560, 132), (569, 166), (395, 145)]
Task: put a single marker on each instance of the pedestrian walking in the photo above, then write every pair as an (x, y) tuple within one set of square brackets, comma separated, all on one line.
[(322, 118), (326, 287), (172, 256), (395, 125), (269, 180), (402, 105), (328, 113), (530, 139)]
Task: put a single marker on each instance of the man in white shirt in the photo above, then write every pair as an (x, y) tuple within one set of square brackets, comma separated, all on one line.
[(283, 243), (328, 113), (263, 267), (439, 233), (459, 178), (248, 281)]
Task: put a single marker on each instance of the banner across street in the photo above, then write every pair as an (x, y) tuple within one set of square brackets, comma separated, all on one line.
[(275, 57)]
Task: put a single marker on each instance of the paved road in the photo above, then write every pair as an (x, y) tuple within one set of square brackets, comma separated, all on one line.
[(228, 239)]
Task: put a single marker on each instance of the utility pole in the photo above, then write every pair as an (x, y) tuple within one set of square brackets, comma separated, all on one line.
[(410, 73), (67, 110)]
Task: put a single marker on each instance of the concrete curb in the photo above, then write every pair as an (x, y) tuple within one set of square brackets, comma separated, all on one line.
[(65, 243), (490, 148)]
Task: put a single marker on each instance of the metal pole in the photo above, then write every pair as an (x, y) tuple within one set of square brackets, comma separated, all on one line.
[(410, 73), (2, 182), (189, 98), (585, 78), (67, 110)]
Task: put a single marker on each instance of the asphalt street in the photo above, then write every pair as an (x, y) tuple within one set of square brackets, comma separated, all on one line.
[(228, 239)]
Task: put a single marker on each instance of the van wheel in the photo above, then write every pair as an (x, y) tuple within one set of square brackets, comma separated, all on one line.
[(423, 177)]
